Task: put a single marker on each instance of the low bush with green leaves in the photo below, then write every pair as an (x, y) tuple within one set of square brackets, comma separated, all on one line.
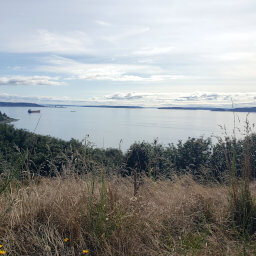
[(44, 155)]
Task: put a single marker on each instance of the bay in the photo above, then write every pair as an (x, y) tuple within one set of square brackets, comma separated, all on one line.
[(120, 127)]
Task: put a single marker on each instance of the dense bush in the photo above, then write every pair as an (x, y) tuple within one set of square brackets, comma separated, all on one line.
[(39, 152), (195, 156), (192, 154), (44, 155), (148, 158)]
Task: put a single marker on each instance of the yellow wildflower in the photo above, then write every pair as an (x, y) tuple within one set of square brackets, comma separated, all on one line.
[(85, 251), (66, 239), (1, 246), (2, 252)]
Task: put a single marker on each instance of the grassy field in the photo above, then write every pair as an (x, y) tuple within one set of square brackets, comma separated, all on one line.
[(75, 215)]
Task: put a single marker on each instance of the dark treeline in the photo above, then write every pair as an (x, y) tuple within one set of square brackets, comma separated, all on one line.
[(3, 117), (27, 152)]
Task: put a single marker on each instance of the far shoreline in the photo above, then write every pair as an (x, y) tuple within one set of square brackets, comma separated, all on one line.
[(217, 109)]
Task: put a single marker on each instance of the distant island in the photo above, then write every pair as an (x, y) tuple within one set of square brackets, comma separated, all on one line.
[(246, 109), (19, 104), (89, 106), (109, 106)]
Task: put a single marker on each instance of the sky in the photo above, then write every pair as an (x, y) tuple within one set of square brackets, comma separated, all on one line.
[(136, 52)]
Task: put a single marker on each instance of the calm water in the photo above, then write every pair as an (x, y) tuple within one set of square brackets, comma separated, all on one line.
[(106, 127)]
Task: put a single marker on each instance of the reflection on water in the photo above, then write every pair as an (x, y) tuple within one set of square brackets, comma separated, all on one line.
[(106, 127)]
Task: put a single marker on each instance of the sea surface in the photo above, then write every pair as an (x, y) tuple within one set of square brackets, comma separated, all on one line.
[(119, 128)]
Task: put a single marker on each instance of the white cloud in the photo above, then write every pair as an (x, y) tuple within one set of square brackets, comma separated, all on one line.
[(107, 71), (170, 43), (213, 99), (124, 34), (122, 96), (178, 99), (154, 51), (29, 80), (5, 97), (44, 41), (102, 23)]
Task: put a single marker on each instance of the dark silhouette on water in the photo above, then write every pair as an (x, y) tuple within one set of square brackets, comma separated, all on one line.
[(33, 111)]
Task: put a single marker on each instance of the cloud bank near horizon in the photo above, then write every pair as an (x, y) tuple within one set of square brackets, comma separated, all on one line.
[(197, 99)]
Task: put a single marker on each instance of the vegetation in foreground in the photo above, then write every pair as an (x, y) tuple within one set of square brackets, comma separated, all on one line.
[(69, 214), (68, 198), (22, 151)]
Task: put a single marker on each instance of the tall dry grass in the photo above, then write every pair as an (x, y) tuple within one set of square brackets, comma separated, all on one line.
[(179, 217)]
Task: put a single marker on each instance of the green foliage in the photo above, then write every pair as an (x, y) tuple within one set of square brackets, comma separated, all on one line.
[(102, 215), (41, 152), (152, 159), (192, 154), (3, 117), (242, 205), (156, 160), (109, 158), (45, 155), (243, 211), (192, 244), (139, 157)]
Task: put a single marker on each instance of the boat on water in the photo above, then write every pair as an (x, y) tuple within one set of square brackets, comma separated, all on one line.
[(33, 111)]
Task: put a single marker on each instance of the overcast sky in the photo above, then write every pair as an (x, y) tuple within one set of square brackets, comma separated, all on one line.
[(136, 52)]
